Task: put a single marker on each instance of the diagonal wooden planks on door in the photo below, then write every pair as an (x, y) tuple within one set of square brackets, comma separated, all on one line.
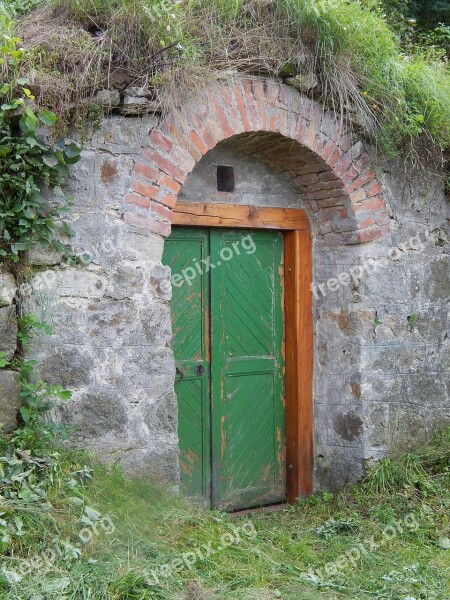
[(239, 415), (191, 339), (297, 304), (248, 441)]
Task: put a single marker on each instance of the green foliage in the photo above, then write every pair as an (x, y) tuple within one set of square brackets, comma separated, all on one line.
[(334, 527), (28, 163), (3, 361), (29, 482), (404, 97), (152, 528), (426, 470), (411, 320), (418, 22), (430, 13), (18, 8), (366, 71), (37, 396)]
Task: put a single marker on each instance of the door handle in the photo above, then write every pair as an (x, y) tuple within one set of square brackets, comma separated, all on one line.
[(180, 373), (200, 370)]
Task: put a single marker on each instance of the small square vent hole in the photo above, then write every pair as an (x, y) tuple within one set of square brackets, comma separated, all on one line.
[(225, 179)]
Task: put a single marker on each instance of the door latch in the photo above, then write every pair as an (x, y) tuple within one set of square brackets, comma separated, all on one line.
[(200, 370), (180, 374)]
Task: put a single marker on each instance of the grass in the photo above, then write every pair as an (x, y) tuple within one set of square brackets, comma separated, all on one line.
[(142, 542), (76, 47)]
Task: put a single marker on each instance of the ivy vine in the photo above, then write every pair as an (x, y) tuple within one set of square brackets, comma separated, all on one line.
[(30, 162)]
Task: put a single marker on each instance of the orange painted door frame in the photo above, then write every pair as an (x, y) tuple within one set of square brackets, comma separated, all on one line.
[(298, 320)]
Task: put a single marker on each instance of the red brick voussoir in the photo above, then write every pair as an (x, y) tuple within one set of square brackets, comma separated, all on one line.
[(337, 168)]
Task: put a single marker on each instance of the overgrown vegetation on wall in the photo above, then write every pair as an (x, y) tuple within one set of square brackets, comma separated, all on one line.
[(81, 532), (29, 164), (345, 49)]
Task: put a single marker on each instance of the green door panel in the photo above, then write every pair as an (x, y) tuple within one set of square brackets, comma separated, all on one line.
[(230, 406), (248, 445), (190, 309)]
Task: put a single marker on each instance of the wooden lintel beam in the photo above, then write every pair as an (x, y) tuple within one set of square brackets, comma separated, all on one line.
[(202, 214)]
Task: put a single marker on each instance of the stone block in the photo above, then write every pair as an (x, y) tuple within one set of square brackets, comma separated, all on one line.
[(156, 323), (380, 358), (108, 99), (433, 322), (139, 92), (137, 105), (120, 135), (81, 183), (73, 282), (39, 255), (336, 466), (68, 365), (98, 236), (160, 282), (160, 416), (376, 416), (112, 323), (411, 360), (304, 82), (345, 425), (8, 331), (437, 279), (385, 388), (8, 289), (337, 388), (148, 368), (401, 278), (397, 328), (341, 324), (321, 423), (66, 317), (159, 464), (438, 356), (141, 245), (409, 428), (125, 282), (428, 390), (9, 399), (337, 358), (96, 413), (113, 177)]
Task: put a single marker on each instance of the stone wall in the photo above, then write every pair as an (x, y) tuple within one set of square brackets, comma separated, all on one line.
[(110, 342), (382, 348), (9, 380), (381, 275)]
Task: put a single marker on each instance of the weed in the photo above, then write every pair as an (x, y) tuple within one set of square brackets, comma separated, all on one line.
[(175, 48), (152, 528)]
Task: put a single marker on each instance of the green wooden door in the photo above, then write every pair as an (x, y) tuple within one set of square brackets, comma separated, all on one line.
[(191, 336), (232, 421), (247, 378)]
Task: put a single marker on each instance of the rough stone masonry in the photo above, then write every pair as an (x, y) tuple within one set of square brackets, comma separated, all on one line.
[(381, 278)]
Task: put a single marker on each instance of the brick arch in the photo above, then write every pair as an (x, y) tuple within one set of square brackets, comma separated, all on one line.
[(323, 159)]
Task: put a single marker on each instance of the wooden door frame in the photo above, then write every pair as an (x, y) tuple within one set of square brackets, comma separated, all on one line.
[(298, 319)]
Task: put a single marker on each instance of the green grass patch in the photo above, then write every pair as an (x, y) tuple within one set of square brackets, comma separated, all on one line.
[(104, 536), (76, 47)]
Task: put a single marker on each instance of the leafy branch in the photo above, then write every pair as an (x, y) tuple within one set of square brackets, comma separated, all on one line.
[(29, 163)]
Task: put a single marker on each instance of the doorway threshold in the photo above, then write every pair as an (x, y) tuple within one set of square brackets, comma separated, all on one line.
[(263, 509)]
